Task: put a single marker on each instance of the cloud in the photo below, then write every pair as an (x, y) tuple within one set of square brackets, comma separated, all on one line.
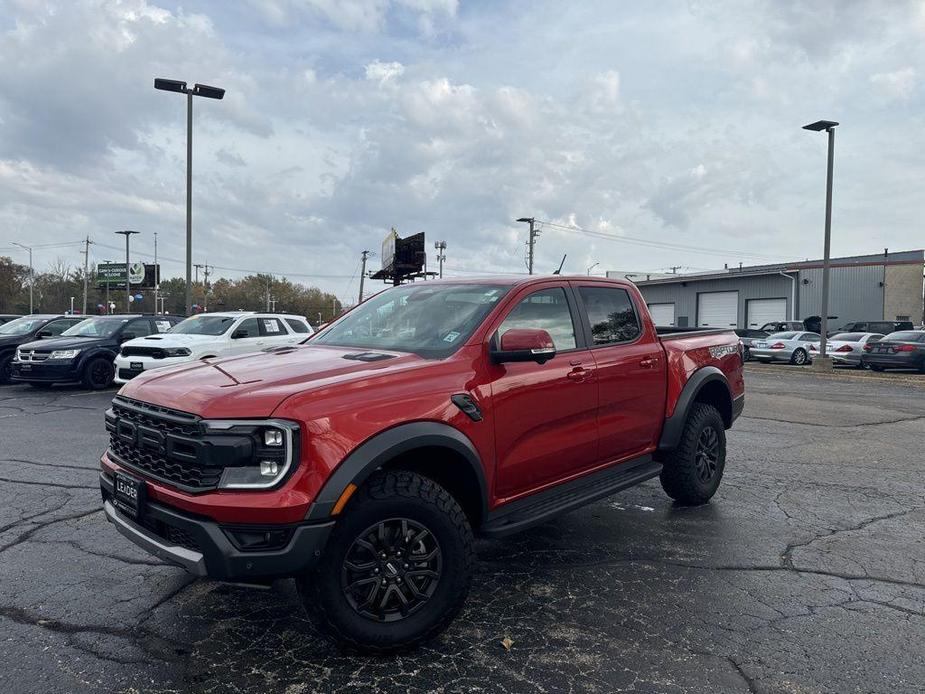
[(898, 84), (384, 72)]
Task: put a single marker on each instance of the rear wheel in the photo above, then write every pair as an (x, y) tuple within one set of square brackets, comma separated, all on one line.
[(692, 472), (798, 357), (98, 374), (397, 566)]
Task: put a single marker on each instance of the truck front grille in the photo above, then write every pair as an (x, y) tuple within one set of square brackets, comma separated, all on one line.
[(138, 440), (153, 352)]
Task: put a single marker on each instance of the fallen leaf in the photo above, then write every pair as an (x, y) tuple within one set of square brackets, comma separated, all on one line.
[(507, 642)]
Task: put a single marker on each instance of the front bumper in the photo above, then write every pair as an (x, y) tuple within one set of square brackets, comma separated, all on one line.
[(205, 548), (123, 366), (48, 371)]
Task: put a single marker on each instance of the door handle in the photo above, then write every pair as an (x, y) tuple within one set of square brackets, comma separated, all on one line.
[(578, 374), (649, 363)]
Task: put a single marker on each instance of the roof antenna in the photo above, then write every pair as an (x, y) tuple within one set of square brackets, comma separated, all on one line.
[(559, 271)]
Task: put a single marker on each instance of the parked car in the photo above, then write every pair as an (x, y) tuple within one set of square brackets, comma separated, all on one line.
[(28, 329), (879, 326), (7, 317), (362, 461), (209, 335), (781, 326), (795, 347), (847, 348), (748, 337), (900, 350), (84, 352)]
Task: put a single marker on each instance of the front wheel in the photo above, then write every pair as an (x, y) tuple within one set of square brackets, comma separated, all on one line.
[(98, 374), (799, 357), (692, 472), (397, 566)]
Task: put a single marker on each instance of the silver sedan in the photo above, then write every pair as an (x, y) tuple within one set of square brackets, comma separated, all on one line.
[(796, 347), (847, 348)]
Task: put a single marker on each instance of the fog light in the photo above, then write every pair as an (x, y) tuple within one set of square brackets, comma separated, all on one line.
[(273, 437), (268, 468)]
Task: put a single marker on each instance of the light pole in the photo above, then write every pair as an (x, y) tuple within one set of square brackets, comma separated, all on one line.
[(72, 305), (108, 262), (128, 286), (829, 126), (531, 241), (591, 268), (208, 92), (441, 254), (31, 273), (157, 274)]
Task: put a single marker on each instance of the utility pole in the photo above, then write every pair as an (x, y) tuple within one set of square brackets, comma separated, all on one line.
[(157, 274), (269, 277), (207, 270), (441, 254), (31, 273), (128, 284), (531, 241), (197, 266), (674, 269), (86, 270), (333, 307), (364, 255)]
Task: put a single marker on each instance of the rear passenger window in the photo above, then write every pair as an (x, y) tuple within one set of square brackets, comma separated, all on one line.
[(544, 310), (611, 315), (297, 325), (271, 327)]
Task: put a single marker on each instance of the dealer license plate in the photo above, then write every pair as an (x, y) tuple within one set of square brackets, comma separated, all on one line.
[(129, 494)]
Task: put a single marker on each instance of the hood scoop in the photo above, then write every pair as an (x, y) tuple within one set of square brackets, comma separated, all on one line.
[(368, 356)]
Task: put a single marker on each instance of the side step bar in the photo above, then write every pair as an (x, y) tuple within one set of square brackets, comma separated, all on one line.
[(521, 514)]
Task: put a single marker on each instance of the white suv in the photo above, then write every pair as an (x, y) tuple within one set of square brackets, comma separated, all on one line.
[(209, 335)]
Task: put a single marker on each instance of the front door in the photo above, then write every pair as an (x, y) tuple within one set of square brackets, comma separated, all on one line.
[(545, 414), (631, 372)]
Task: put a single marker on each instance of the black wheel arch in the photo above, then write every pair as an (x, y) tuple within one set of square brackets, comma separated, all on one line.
[(413, 446), (708, 385)]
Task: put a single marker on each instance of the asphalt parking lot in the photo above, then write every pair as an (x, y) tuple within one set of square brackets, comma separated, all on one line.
[(805, 574)]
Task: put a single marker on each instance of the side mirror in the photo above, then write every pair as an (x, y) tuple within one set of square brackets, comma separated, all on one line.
[(238, 334), (524, 344), (43, 333), (126, 337)]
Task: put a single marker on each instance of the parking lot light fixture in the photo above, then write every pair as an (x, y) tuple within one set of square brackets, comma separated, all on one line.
[(127, 233), (829, 127), (208, 92)]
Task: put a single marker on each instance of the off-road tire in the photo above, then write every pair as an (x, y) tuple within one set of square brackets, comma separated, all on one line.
[(390, 495), (799, 361), (93, 374), (680, 478)]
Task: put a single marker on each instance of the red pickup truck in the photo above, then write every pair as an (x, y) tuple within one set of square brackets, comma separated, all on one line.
[(364, 461)]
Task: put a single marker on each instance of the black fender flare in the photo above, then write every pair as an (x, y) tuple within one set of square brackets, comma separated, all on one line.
[(674, 425), (373, 453)]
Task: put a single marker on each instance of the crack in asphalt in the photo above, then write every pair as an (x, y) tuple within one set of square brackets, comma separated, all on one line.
[(55, 485), (835, 426), (52, 465), (32, 531)]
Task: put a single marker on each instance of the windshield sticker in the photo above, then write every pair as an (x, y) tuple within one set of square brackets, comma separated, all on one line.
[(269, 325), (162, 326), (451, 337)]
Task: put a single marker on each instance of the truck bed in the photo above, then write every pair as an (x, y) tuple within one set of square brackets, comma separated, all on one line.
[(666, 332)]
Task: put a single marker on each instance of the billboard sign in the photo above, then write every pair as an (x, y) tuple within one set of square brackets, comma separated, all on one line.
[(140, 275), (388, 249)]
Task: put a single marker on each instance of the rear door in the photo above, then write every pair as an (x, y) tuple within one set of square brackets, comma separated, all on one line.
[(631, 371), (545, 414), (273, 333)]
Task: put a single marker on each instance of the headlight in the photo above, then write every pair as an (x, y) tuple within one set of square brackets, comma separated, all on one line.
[(176, 352), (64, 354), (275, 448)]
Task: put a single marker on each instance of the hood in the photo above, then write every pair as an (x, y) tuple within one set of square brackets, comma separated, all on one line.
[(171, 340), (13, 340), (53, 343), (256, 384)]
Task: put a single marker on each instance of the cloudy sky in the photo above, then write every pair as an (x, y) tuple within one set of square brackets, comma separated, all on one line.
[(669, 130)]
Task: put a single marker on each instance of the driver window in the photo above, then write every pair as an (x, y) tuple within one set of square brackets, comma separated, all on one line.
[(546, 310), (56, 327), (248, 326)]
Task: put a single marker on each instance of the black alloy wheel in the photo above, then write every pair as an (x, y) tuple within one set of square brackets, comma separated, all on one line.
[(99, 374), (707, 454), (391, 570)]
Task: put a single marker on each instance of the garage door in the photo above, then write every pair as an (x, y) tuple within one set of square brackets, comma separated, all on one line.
[(761, 311), (718, 309), (662, 314)]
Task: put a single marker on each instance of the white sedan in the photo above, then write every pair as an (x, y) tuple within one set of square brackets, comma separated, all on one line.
[(847, 348), (209, 335)]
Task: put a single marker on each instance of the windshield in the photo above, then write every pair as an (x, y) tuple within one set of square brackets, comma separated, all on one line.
[(782, 336), (426, 319), (906, 336), (203, 325), (21, 326), (95, 327)]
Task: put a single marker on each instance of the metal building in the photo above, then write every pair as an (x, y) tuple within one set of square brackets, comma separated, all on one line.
[(887, 286)]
